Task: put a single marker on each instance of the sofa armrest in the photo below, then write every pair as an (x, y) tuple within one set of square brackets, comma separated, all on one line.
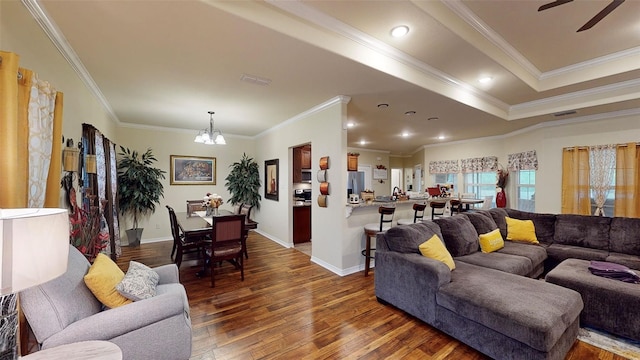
[(410, 281), (111, 323), (168, 274)]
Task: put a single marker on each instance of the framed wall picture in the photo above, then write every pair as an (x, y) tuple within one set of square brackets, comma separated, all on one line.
[(192, 170), (271, 179)]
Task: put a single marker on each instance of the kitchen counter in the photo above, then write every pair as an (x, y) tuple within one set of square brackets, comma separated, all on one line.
[(377, 204)]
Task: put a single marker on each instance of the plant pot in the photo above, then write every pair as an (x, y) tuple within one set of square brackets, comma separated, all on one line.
[(134, 236)]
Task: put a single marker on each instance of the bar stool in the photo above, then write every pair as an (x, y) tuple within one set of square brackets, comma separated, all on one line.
[(418, 215), (437, 205), (386, 217), (456, 206)]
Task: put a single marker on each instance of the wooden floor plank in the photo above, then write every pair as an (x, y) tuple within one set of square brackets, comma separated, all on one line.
[(290, 308)]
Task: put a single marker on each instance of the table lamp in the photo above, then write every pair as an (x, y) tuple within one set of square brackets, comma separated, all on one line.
[(34, 247)]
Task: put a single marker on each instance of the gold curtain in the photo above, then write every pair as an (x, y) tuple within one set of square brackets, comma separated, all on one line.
[(627, 181), (15, 87), (575, 181)]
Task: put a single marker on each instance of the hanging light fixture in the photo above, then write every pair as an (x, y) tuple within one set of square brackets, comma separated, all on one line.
[(210, 136)]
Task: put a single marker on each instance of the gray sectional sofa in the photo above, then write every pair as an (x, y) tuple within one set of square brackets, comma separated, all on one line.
[(493, 301)]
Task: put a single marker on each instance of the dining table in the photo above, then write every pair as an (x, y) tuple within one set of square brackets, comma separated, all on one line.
[(197, 226)]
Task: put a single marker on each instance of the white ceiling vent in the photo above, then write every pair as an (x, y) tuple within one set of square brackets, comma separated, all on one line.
[(253, 79)]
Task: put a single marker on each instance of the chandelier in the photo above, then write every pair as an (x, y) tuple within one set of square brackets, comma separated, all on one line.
[(210, 136)]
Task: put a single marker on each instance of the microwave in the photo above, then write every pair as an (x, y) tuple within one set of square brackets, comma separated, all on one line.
[(306, 176)]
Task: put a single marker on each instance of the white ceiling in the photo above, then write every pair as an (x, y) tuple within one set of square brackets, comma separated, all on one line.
[(166, 63)]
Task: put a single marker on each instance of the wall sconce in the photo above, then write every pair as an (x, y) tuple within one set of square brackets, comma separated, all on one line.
[(91, 165)]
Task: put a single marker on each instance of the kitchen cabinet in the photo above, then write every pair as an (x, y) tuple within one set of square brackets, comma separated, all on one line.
[(301, 161), (301, 224), (352, 162), (305, 157)]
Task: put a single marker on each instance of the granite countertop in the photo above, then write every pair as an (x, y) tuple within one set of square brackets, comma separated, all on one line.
[(387, 203)]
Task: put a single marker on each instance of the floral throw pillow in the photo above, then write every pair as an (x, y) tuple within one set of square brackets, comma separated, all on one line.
[(139, 282)]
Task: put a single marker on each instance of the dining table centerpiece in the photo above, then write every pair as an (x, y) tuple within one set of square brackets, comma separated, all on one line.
[(211, 203)]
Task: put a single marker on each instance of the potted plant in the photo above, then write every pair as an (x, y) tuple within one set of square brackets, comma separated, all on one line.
[(243, 182), (139, 188)]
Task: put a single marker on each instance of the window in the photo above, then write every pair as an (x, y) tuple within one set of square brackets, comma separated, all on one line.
[(609, 202), (451, 178), (526, 190), (482, 184)]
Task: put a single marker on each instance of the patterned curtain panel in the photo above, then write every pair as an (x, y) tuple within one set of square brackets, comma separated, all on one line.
[(42, 103), (480, 164), (527, 160), (99, 191), (444, 167), (602, 162)]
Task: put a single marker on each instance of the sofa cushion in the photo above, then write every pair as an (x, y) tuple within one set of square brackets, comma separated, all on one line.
[(544, 223), (61, 301), (560, 252), (536, 253), (491, 241), (435, 249), (499, 215), (102, 278), (459, 235), (407, 238), (139, 282), (521, 230), (513, 264), (580, 230), (482, 221), (631, 261), (534, 312), (625, 236)]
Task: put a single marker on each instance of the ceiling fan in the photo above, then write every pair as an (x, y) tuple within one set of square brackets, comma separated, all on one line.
[(594, 20)]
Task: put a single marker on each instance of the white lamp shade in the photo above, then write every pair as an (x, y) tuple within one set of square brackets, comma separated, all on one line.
[(220, 140), (34, 247)]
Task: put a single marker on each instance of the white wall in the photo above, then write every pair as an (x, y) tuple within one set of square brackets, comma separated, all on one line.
[(323, 128), (21, 34), (165, 143)]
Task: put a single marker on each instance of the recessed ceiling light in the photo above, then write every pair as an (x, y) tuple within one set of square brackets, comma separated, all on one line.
[(485, 79), (362, 142), (441, 137), (400, 31), (405, 134), (383, 106), (351, 124), (409, 113)]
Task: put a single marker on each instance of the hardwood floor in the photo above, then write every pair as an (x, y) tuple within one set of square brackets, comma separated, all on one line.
[(290, 308)]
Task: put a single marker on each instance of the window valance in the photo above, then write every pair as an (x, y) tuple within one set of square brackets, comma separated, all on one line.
[(527, 160), (480, 164), (444, 167)]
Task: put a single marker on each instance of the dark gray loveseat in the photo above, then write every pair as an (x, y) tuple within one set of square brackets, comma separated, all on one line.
[(489, 301)]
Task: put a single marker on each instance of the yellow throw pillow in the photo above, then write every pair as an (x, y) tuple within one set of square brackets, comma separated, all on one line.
[(521, 230), (435, 249), (491, 241), (102, 278)]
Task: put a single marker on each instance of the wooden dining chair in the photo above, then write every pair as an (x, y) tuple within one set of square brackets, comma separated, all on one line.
[(181, 244), (249, 224), (227, 243), (193, 206)]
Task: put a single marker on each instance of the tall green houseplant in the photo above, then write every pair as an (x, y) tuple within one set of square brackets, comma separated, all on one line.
[(243, 182), (139, 188)]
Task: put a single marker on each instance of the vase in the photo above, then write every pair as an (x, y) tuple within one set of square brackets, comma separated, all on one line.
[(501, 198), (208, 211), (215, 211)]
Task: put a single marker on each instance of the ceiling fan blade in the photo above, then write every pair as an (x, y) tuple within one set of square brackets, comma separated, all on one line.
[(599, 16), (553, 4)]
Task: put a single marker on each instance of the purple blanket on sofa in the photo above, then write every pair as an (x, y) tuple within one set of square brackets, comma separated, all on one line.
[(613, 271)]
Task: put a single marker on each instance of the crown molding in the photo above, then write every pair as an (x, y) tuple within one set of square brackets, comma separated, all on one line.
[(65, 49)]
